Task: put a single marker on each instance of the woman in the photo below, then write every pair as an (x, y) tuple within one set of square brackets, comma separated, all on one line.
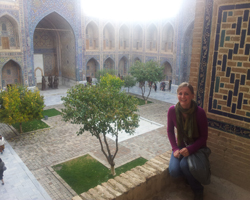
[(192, 131), (1, 170)]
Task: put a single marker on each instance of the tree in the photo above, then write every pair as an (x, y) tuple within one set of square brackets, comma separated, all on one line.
[(109, 80), (19, 104), (103, 72), (150, 72), (129, 81), (101, 110)]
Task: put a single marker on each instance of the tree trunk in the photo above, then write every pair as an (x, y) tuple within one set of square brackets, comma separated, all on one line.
[(146, 101), (113, 170), (20, 127)]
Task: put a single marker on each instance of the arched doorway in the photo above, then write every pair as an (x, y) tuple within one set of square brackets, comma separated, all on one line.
[(137, 59), (167, 38), (11, 73), (151, 42), (92, 67), (124, 38), (54, 43), (123, 66), (167, 71), (137, 38), (109, 64)]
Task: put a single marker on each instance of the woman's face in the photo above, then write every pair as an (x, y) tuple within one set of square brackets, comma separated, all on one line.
[(185, 97)]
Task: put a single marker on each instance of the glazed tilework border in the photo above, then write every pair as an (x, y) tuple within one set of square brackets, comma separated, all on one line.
[(219, 125)]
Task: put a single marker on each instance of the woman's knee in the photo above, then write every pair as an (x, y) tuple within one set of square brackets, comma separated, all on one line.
[(184, 165), (175, 172)]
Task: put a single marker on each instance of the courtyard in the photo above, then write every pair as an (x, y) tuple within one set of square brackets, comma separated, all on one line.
[(39, 150)]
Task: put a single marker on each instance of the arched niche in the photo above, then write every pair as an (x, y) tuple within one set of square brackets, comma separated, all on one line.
[(91, 68), (167, 71), (108, 37), (92, 36), (137, 38), (151, 41), (123, 66), (109, 64), (54, 42), (187, 53), (137, 59), (11, 73), (167, 38), (9, 34), (124, 38)]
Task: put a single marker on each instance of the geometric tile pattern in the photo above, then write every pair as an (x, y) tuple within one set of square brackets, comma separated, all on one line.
[(230, 83)]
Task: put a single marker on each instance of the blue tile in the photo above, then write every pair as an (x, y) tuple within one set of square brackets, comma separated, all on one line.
[(238, 29), (225, 97), (219, 107), (218, 29), (248, 114), (221, 85), (216, 42), (229, 99), (233, 108), (246, 15), (239, 64), (219, 62), (224, 19), (224, 63), (247, 49), (233, 25), (240, 6), (242, 80), (248, 30), (245, 101), (215, 104), (222, 38), (217, 83), (230, 13), (236, 87), (230, 54), (248, 74), (215, 59), (232, 78), (242, 40), (236, 47), (228, 71), (239, 101)]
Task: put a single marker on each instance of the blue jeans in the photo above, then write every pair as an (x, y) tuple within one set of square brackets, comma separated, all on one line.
[(179, 167)]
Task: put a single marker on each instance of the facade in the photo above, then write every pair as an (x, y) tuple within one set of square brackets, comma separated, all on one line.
[(55, 38)]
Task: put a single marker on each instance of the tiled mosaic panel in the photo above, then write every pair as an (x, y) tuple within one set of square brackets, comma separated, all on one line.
[(230, 84)]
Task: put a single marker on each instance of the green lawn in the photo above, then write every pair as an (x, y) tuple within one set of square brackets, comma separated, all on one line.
[(31, 125), (37, 124), (51, 112), (85, 172)]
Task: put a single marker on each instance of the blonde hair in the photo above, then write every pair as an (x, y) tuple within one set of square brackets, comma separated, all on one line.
[(186, 84)]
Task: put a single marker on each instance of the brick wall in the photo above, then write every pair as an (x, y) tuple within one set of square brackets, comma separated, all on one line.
[(220, 74)]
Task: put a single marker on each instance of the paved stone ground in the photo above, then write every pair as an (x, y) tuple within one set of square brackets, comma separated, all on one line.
[(42, 149)]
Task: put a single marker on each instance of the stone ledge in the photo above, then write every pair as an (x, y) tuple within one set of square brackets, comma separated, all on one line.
[(141, 182)]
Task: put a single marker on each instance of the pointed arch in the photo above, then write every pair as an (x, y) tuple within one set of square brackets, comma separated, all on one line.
[(123, 66), (92, 65), (92, 36), (137, 37), (108, 37), (124, 37), (54, 38), (109, 63), (151, 41), (167, 38), (11, 73), (10, 35), (167, 71)]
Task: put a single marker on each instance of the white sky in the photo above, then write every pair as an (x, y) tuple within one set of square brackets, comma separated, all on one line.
[(131, 10)]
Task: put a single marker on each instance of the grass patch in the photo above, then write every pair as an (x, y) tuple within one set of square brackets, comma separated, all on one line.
[(85, 172), (31, 125), (141, 101), (51, 112)]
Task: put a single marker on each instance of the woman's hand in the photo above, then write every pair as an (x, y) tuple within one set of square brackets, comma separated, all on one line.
[(184, 152), (177, 153)]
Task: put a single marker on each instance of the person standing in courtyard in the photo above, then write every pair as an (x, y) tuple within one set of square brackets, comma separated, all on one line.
[(2, 169), (155, 87), (2, 144), (192, 131)]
